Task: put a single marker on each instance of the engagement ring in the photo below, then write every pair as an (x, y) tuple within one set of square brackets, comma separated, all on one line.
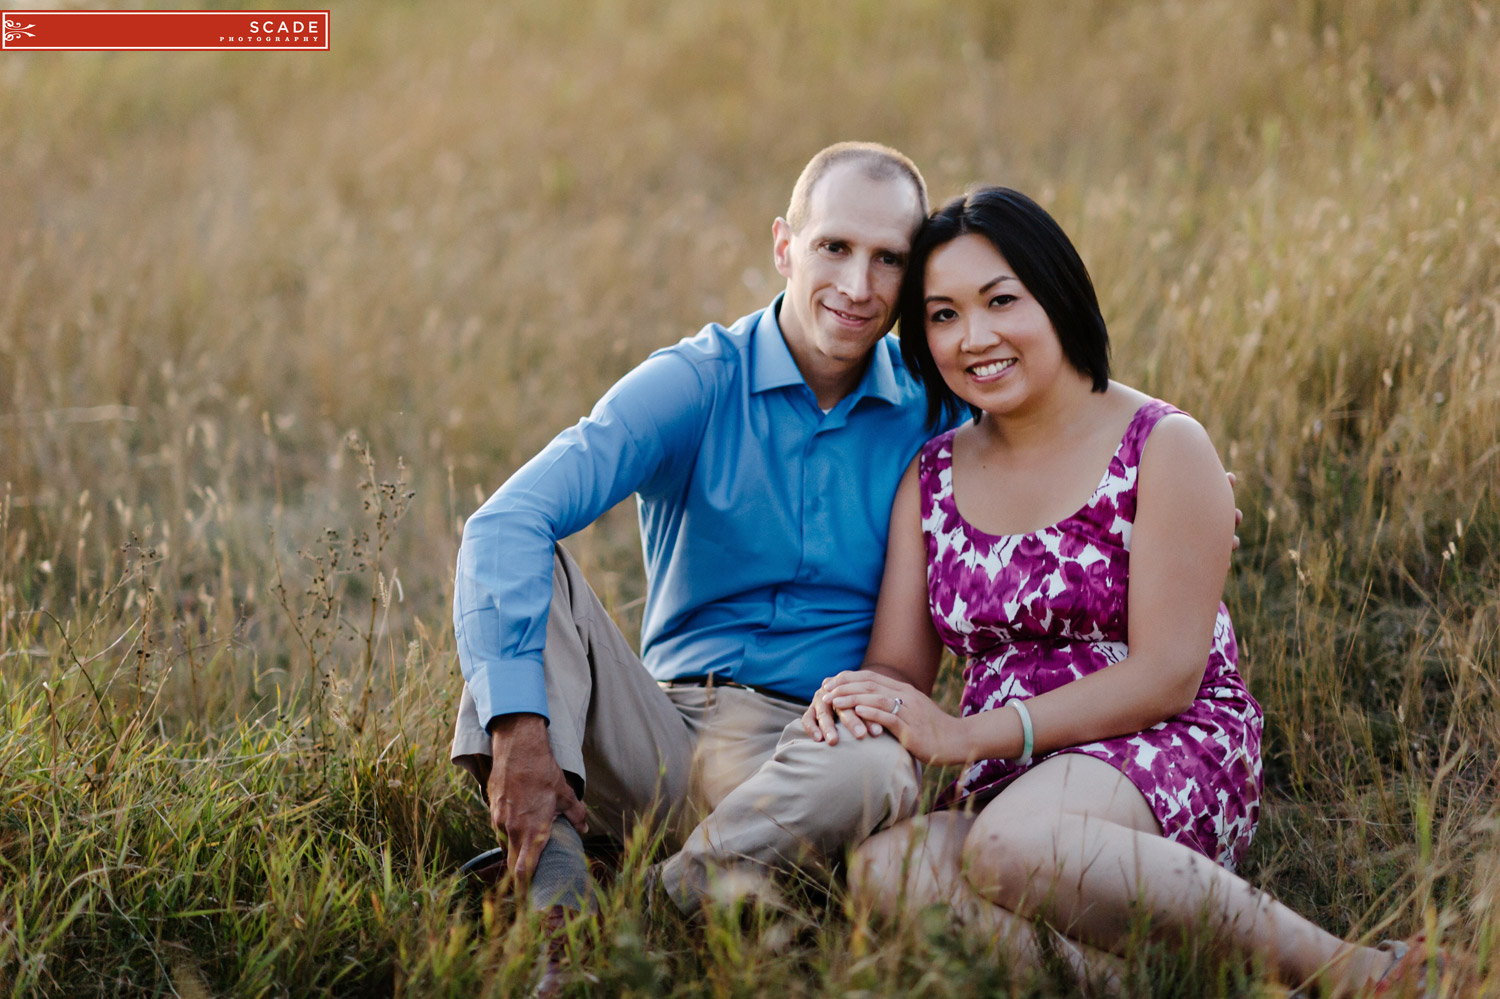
[(896, 708)]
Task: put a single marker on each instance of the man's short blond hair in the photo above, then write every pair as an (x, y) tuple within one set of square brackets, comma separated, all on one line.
[(878, 162)]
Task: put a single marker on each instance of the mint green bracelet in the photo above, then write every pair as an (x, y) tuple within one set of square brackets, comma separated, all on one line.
[(1026, 732)]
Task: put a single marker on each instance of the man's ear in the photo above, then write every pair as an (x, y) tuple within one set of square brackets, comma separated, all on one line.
[(781, 246)]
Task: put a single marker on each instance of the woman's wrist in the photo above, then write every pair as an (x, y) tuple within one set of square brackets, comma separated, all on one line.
[(1027, 732), (986, 735), (953, 742)]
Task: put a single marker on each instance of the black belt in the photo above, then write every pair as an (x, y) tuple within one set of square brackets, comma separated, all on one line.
[(710, 680)]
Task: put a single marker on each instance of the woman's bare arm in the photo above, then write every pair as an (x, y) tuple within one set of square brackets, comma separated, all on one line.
[(904, 645), (1180, 549)]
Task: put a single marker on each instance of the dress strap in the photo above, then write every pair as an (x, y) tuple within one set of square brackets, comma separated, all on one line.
[(1141, 424), (935, 490), (934, 464)]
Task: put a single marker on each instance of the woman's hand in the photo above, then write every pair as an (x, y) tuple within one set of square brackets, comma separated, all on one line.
[(822, 716), (927, 731)]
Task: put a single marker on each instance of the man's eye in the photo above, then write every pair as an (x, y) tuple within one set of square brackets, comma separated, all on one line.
[(834, 247)]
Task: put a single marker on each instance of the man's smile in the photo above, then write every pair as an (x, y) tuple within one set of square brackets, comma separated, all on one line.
[(848, 318)]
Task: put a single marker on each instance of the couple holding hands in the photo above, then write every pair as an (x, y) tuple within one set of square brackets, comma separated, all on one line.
[(824, 508)]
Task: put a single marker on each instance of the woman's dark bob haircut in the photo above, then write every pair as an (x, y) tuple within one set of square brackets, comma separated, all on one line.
[(1044, 260)]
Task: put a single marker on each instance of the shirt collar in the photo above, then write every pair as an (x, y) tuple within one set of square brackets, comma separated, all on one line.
[(772, 365), (880, 377)]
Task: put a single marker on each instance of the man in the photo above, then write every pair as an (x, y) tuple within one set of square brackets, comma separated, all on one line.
[(765, 457)]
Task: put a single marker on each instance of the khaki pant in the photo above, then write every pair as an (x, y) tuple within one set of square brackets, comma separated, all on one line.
[(726, 774)]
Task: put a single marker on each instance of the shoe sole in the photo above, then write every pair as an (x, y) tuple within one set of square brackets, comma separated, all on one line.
[(488, 867)]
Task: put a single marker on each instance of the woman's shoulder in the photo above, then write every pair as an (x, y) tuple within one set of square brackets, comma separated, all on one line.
[(1181, 484), (1169, 444), (1132, 406), (1156, 425)]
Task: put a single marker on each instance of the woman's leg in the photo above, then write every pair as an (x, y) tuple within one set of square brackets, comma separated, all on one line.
[(915, 864), (919, 862), (1075, 841)]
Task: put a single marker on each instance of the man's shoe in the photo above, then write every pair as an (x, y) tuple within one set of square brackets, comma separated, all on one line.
[(486, 869)]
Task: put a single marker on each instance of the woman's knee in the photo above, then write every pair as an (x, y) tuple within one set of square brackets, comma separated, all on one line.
[(877, 869), (913, 864), (1012, 860)]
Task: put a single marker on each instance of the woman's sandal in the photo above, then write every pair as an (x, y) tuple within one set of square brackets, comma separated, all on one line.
[(1416, 971)]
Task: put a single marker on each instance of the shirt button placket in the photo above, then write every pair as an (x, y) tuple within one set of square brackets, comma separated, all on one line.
[(814, 502)]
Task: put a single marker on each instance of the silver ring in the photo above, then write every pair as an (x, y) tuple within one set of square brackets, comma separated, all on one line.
[(896, 708)]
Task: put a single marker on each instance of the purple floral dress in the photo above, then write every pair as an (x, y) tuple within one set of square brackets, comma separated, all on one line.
[(1031, 612)]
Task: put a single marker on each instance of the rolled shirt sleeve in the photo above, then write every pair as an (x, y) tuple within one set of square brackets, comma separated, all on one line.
[(641, 434)]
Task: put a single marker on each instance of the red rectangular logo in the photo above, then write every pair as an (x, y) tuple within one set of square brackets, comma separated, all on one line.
[(165, 30)]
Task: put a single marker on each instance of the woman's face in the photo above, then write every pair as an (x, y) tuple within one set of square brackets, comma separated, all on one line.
[(992, 341)]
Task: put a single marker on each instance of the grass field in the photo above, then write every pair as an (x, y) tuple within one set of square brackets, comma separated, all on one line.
[(271, 325)]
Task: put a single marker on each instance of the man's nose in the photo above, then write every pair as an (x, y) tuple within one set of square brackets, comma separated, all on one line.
[(854, 280)]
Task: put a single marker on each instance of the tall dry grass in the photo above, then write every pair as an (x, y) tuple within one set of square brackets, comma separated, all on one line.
[(227, 663)]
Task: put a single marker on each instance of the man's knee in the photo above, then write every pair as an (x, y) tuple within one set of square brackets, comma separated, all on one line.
[(858, 784), (876, 763)]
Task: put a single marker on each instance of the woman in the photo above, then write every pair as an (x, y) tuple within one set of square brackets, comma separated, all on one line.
[(1098, 775)]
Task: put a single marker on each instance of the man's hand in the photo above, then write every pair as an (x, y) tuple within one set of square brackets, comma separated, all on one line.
[(1238, 514), (527, 790), (820, 722)]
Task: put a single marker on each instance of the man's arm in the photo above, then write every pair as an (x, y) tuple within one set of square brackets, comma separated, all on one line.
[(641, 434), (637, 435)]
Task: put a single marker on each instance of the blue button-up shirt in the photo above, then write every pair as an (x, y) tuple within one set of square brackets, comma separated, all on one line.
[(763, 519)]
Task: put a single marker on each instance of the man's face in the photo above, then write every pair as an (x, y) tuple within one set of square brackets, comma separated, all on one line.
[(843, 269)]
